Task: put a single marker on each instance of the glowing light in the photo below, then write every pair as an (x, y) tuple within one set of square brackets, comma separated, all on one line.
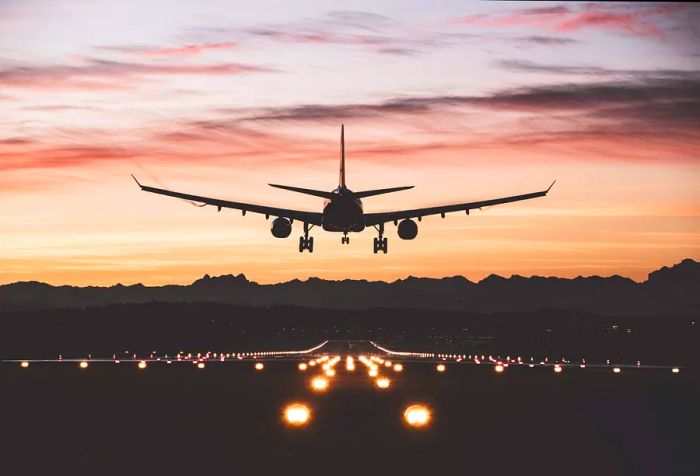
[(675, 370), (617, 370), (24, 364), (330, 373), (557, 368), (382, 382), (398, 367), (259, 366), (387, 364), (499, 368), (373, 372), (417, 416), (319, 384), (583, 366), (297, 414), (200, 365), (440, 368), (142, 365), (302, 366), (312, 363), (83, 364)]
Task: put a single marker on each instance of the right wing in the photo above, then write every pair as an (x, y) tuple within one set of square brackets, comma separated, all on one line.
[(307, 217)]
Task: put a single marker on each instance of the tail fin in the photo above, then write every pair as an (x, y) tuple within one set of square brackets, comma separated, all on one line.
[(341, 179)]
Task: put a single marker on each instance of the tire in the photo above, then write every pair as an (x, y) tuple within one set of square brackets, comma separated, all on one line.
[(386, 245), (311, 244), (301, 244)]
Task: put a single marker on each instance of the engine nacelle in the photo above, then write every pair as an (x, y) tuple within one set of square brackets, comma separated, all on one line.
[(408, 229), (281, 228)]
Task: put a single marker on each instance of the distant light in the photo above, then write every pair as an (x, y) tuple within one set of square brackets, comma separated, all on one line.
[(617, 370), (675, 370), (440, 368), (330, 373), (297, 414), (417, 416), (142, 365), (531, 366), (319, 384), (259, 366), (499, 368), (583, 366), (312, 363), (387, 364), (398, 367), (557, 368), (24, 364), (373, 372), (302, 366), (200, 365), (383, 382), (83, 364)]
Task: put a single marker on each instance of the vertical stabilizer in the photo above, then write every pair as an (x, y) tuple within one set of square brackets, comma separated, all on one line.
[(341, 179)]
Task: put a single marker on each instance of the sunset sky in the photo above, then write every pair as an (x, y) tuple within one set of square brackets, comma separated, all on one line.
[(464, 100)]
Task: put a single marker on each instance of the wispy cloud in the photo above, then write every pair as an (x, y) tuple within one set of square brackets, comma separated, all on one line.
[(190, 49)]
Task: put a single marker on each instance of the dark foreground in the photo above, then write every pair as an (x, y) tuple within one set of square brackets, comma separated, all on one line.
[(226, 419)]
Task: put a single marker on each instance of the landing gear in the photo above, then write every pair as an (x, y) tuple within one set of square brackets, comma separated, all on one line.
[(380, 243), (306, 242), (345, 239)]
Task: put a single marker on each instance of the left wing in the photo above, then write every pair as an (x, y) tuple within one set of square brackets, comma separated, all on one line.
[(307, 217), (372, 219)]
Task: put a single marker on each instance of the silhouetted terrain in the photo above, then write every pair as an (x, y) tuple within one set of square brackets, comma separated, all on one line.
[(672, 290)]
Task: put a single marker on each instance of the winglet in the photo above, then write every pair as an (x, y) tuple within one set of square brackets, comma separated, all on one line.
[(550, 187), (137, 182)]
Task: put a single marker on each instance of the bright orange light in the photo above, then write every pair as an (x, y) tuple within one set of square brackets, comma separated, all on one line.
[(382, 382), (312, 363), (319, 384), (259, 366), (83, 364), (387, 364), (142, 365), (499, 368), (617, 370), (373, 372), (330, 373), (24, 364), (417, 416), (398, 367), (440, 368), (297, 414), (302, 366), (200, 365), (557, 368)]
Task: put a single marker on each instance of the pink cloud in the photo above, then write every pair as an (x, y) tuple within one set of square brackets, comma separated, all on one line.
[(185, 50)]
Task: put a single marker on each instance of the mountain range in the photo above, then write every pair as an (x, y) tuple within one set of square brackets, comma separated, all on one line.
[(673, 290)]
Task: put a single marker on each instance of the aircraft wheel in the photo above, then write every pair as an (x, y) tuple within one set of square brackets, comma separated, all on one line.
[(385, 245), (311, 244), (376, 247)]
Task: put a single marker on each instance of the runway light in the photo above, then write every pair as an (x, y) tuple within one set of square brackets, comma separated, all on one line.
[(440, 367), (330, 373), (617, 370), (259, 366), (417, 416), (302, 366), (373, 372), (398, 367), (142, 365), (312, 363), (383, 382), (387, 364), (200, 365), (297, 414), (319, 384), (675, 370), (24, 364), (83, 364), (499, 368), (557, 368)]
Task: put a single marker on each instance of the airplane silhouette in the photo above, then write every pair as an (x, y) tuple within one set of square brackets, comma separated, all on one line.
[(342, 210)]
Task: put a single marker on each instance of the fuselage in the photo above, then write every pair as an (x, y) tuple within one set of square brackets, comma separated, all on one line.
[(343, 213)]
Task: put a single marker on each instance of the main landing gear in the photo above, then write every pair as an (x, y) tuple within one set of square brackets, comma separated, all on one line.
[(306, 242), (380, 243), (345, 239)]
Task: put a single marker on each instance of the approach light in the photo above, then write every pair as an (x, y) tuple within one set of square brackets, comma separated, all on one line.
[(24, 364), (557, 368), (200, 365), (297, 414), (382, 383), (319, 384), (499, 368), (440, 367), (617, 370), (417, 416), (302, 366), (83, 364), (142, 365), (398, 367), (675, 370), (259, 366)]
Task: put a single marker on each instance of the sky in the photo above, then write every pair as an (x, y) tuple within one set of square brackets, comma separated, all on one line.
[(464, 100)]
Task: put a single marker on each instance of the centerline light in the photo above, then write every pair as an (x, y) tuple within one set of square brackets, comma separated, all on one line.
[(297, 414), (417, 415), (319, 384)]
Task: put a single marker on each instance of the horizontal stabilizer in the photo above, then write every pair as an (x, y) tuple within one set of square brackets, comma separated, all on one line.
[(380, 191), (307, 191)]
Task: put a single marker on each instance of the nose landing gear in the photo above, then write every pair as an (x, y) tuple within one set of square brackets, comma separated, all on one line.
[(380, 243), (345, 239), (306, 242)]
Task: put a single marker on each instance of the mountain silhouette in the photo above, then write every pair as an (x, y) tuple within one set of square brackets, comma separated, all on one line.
[(671, 290)]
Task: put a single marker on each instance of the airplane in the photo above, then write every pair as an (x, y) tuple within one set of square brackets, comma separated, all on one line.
[(343, 210)]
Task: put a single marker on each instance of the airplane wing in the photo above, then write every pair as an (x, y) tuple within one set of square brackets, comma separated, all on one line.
[(308, 217), (372, 219)]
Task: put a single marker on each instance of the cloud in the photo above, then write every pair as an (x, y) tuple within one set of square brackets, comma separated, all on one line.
[(100, 74), (544, 40), (191, 49), (637, 19)]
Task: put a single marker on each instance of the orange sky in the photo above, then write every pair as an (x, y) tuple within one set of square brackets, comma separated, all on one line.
[(465, 103)]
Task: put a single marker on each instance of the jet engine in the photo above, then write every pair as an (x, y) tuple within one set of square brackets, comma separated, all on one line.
[(281, 228), (407, 229)]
